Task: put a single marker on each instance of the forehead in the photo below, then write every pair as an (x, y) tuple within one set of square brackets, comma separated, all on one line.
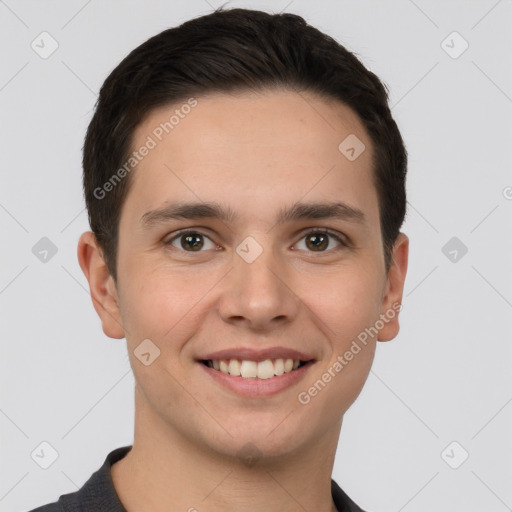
[(255, 147)]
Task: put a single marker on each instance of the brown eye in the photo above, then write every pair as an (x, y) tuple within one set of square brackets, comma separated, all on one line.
[(320, 241), (194, 242), (317, 241), (190, 241)]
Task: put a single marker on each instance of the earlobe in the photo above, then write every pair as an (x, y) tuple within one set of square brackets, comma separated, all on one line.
[(392, 300), (101, 285)]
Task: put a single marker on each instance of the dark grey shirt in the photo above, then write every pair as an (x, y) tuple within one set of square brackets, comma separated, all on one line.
[(99, 495)]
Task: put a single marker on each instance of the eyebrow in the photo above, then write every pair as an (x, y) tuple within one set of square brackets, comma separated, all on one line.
[(213, 210)]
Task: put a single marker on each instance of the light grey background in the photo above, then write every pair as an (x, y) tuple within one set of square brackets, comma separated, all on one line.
[(446, 377)]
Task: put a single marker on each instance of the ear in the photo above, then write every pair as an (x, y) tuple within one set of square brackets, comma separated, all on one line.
[(392, 297), (101, 285)]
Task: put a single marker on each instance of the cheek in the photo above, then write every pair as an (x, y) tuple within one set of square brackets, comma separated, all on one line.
[(335, 385), (346, 311), (152, 296), (345, 303), (164, 306)]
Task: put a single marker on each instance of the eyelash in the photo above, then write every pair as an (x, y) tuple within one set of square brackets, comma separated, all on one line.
[(343, 241)]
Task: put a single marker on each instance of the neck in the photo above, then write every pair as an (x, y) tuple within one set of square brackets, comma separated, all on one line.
[(165, 471)]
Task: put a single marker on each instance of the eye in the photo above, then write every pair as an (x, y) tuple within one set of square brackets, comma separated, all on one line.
[(190, 241), (319, 240)]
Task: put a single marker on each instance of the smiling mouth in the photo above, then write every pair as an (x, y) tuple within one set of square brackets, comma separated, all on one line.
[(247, 369)]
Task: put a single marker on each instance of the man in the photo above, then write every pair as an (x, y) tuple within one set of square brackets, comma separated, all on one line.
[(245, 184)]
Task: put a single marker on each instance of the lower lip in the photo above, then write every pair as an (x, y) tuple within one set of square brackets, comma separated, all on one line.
[(253, 387)]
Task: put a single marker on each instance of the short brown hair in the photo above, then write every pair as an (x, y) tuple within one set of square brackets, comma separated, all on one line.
[(230, 50)]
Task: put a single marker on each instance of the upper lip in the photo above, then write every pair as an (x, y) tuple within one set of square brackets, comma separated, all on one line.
[(250, 354)]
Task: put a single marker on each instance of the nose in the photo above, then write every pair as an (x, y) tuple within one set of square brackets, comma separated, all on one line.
[(258, 294)]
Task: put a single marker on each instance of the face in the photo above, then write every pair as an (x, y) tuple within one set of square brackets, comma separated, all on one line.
[(281, 259)]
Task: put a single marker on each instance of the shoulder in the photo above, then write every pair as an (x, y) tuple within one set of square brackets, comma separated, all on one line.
[(51, 507), (342, 501), (72, 502), (97, 494)]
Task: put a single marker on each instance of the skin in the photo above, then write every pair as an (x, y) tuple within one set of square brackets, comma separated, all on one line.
[(253, 152)]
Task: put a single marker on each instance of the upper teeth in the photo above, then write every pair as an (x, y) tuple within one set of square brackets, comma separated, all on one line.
[(261, 370)]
